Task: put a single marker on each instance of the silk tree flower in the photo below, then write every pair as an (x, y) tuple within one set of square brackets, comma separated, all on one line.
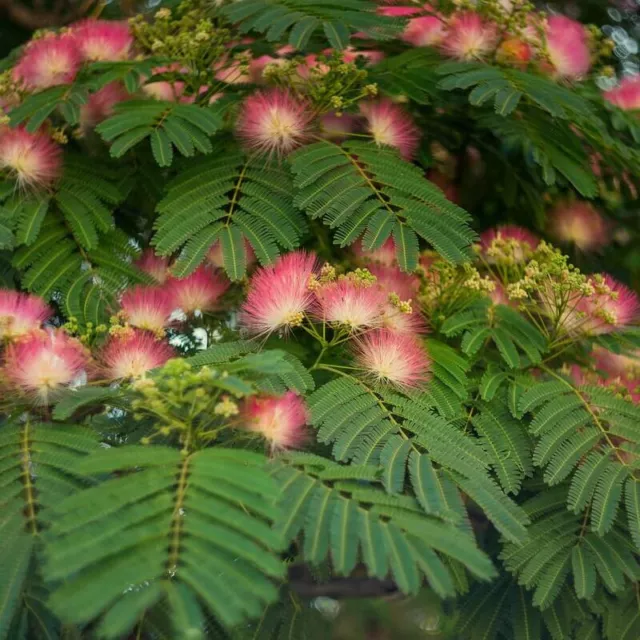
[(388, 357), (390, 125), (337, 127), (147, 308), (508, 242), (101, 104), (198, 292), (279, 420), (470, 37), (402, 317), (130, 354), (350, 304), (102, 40), (617, 364), (33, 159), (579, 223), (399, 11), (567, 45), (279, 295), (216, 258), (612, 307), (515, 51), (42, 362), (274, 122), (390, 279), (47, 62), (384, 255), (627, 94), (21, 313), (425, 31), (155, 266)]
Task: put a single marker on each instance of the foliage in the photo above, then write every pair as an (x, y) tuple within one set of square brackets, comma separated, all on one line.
[(279, 325)]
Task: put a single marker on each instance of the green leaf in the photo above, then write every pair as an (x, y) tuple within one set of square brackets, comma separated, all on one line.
[(393, 459), (233, 252), (161, 148), (584, 572)]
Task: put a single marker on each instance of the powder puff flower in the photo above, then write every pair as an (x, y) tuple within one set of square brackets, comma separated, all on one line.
[(102, 40), (509, 241), (567, 45), (216, 258), (351, 304), (147, 308), (391, 125), (274, 122), (425, 31), (155, 266), (337, 127), (398, 12), (612, 307), (627, 94), (21, 313), (33, 159), (47, 62), (41, 362), (198, 292), (132, 353), (394, 358), (470, 37), (399, 320), (279, 294), (515, 51), (617, 364), (391, 280), (100, 104), (279, 420), (384, 255), (579, 223)]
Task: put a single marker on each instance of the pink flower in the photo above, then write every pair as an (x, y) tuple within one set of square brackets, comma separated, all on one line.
[(147, 308), (33, 159), (198, 292), (274, 122), (398, 321), (579, 223), (334, 127), (568, 47), (617, 364), (350, 304), (470, 37), (627, 94), (398, 12), (391, 125), (613, 306), (41, 362), (519, 242), (102, 40), (164, 89), (257, 67), (384, 255), (47, 62), (394, 358), (234, 72), (390, 279), (425, 31), (216, 258), (279, 294), (499, 295), (515, 51), (133, 353), (155, 266), (21, 313), (100, 104), (279, 420)]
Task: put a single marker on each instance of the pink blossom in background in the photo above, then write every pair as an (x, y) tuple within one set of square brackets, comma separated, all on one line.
[(47, 62), (21, 313), (102, 40), (568, 48), (198, 292), (279, 420), (133, 353), (627, 94), (147, 308), (391, 125), (470, 37), (579, 223)]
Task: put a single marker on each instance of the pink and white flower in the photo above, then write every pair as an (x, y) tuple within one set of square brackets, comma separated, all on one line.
[(21, 313), (274, 122), (567, 44), (33, 159), (390, 125), (279, 420), (390, 279), (393, 358), (102, 40), (42, 362), (612, 307), (579, 223), (147, 308), (101, 104), (627, 94), (617, 364), (384, 255), (132, 353), (155, 266), (350, 304), (470, 37), (47, 62), (279, 295), (198, 292), (425, 31), (518, 242)]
